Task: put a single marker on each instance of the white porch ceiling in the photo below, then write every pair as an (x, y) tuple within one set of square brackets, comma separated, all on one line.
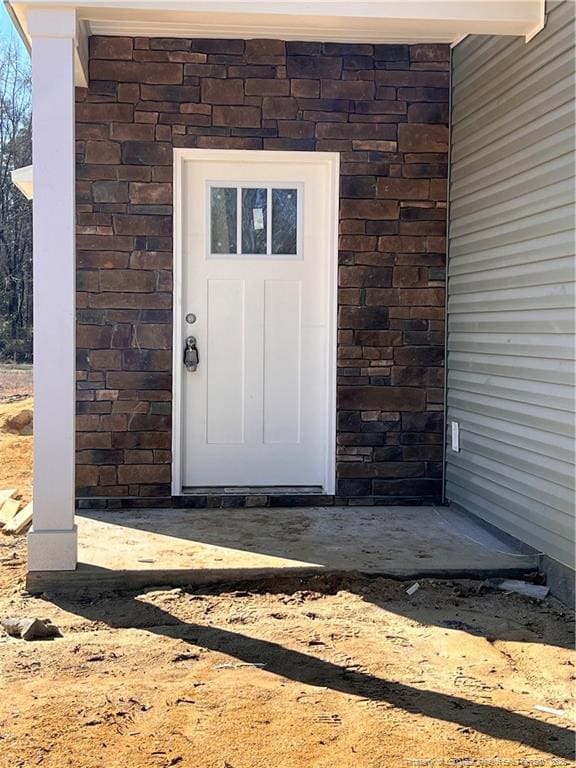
[(372, 21)]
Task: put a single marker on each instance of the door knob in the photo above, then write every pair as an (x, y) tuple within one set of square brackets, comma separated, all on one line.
[(191, 354)]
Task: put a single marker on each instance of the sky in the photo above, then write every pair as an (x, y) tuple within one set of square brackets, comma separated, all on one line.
[(6, 28)]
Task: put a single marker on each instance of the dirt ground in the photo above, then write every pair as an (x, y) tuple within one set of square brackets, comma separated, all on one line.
[(15, 381), (16, 429), (330, 673), (327, 673), (16, 447)]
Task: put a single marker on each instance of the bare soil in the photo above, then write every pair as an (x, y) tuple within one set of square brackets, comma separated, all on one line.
[(15, 381), (323, 674), (16, 429), (326, 673), (16, 447)]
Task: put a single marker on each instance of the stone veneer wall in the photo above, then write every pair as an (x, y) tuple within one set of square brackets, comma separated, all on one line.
[(385, 109)]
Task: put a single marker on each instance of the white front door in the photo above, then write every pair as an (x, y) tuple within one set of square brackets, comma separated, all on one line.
[(257, 264)]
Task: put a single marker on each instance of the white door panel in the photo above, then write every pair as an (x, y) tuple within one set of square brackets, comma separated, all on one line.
[(257, 411), (282, 361), (225, 363)]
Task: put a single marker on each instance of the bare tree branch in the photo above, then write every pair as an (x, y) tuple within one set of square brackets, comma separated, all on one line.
[(15, 210)]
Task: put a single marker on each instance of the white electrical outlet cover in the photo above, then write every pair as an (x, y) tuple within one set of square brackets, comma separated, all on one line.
[(455, 436)]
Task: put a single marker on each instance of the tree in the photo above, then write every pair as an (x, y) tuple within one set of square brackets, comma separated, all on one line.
[(15, 210)]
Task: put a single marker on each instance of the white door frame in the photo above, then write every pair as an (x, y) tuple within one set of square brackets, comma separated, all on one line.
[(332, 161)]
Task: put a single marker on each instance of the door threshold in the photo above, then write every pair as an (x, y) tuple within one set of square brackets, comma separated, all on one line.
[(259, 490)]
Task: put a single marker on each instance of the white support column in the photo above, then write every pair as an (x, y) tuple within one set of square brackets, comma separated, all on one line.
[(52, 544)]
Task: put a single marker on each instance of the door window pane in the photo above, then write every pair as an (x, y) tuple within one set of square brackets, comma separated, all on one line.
[(254, 223), (284, 221), (223, 220)]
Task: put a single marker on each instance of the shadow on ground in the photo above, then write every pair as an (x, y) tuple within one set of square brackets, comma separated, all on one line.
[(491, 720), (336, 550)]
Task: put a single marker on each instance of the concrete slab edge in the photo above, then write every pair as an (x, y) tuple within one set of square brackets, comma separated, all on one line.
[(101, 581)]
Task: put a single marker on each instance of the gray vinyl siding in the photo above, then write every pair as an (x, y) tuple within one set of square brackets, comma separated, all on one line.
[(511, 283)]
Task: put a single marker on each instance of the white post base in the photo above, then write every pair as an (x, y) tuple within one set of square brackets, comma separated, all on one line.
[(52, 550)]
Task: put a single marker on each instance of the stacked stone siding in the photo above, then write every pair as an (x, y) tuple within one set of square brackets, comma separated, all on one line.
[(384, 108)]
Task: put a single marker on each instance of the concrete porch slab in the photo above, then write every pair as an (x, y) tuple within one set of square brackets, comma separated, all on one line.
[(132, 549)]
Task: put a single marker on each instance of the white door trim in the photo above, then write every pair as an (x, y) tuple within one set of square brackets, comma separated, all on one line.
[(332, 161)]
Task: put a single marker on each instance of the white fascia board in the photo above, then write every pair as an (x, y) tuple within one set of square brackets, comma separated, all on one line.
[(23, 179), (540, 24), (410, 19), (367, 21), (525, 12)]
